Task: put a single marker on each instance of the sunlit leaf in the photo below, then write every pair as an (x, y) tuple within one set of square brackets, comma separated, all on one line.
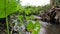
[(7, 7), (27, 17), (30, 26)]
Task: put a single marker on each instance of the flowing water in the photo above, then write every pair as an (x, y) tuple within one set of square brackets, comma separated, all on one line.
[(46, 28)]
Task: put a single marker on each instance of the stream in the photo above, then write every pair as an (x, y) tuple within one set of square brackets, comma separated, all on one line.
[(46, 28)]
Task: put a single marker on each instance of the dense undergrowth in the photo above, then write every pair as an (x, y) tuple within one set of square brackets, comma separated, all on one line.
[(9, 7)]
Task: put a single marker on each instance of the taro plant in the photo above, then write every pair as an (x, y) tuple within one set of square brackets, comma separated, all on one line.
[(6, 8), (33, 28)]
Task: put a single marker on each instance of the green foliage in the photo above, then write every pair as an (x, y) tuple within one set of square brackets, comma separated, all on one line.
[(34, 27), (30, 10), (37, 26), (33, 10), (56, 2), (32, 17), (30, 25), (46, 7), (27, 17), (20, 17), (7, 7), (34, 32)]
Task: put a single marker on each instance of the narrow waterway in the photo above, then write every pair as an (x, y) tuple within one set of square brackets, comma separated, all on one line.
[(46, 28)]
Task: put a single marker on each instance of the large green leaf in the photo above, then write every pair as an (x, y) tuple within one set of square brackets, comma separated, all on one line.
[(7, 7), (30, 26), (35, 28)]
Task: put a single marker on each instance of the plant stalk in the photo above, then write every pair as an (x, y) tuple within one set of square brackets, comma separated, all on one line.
[(7, 25)]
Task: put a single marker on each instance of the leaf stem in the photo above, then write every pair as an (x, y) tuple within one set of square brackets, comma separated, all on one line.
[(7, 25)]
